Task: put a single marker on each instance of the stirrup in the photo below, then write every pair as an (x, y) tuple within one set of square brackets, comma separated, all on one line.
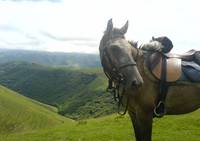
[(159, 110)]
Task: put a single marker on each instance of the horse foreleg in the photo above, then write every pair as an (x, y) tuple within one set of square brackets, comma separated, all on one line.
[(142, 124)]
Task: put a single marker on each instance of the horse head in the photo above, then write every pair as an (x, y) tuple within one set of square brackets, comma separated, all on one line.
[(118, 57)]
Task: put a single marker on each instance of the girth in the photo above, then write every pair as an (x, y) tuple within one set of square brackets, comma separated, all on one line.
[(159, 110)]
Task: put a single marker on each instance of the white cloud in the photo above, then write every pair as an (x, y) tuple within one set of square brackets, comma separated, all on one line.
[(78, 19)]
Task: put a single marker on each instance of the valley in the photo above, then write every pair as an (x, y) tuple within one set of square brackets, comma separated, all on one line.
[(42, 102)]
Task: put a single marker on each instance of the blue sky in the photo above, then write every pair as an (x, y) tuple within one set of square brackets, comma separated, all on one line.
[(77, 25)]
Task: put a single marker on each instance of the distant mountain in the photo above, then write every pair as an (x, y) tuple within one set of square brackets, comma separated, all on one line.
[(19, 114), (78, 93), (50, 58)]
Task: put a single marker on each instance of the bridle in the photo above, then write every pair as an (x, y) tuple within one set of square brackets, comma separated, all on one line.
[(114, 73), (116, 79)]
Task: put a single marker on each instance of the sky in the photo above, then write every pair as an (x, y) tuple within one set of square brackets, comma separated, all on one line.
[(78, 25)]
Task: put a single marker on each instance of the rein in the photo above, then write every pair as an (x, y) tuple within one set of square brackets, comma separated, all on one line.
[(116, 79)]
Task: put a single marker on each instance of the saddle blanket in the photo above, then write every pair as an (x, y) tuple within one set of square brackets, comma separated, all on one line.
[(191, 70), (197, 57)]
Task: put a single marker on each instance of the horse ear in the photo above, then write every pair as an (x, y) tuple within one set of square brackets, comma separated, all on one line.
[(124, 28), (109, 26)]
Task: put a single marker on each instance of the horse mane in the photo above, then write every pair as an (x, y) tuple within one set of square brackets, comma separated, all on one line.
[(134, 43)]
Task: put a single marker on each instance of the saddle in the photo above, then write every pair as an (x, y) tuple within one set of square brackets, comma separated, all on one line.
[(188, 56), (171, 68), (175, 64)]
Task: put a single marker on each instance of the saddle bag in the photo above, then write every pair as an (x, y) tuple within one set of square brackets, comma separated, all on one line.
[(166, 42)]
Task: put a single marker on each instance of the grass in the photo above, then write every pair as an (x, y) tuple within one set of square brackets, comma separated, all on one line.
[(115, 128), (102, 129), (20, 114), (23, 119)]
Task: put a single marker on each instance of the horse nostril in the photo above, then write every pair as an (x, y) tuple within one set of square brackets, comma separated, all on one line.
[(134, 83)]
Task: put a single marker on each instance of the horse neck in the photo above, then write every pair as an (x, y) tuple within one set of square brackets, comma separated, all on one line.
[(147, 93)]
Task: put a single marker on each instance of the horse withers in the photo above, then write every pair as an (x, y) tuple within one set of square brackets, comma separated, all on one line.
[(125, 67)]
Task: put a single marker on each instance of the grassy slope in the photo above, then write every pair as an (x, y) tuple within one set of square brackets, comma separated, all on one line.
[(62, 87), (114, 128), (22, 119), (19, 114)]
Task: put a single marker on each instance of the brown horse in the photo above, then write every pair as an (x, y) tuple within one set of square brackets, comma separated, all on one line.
[(125, 66)]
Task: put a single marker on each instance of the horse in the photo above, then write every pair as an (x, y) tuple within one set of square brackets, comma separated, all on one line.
[(125, 66)]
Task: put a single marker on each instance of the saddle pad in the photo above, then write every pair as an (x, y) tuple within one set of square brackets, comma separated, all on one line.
[(197, 57), (191, 71), (191, 64), (173, 69)]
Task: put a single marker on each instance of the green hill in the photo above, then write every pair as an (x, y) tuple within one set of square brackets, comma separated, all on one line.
[(21, 114), (115, 128), (77, 93), (23, 119)]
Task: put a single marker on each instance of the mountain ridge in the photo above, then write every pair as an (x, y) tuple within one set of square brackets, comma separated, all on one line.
[(76, 60)]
